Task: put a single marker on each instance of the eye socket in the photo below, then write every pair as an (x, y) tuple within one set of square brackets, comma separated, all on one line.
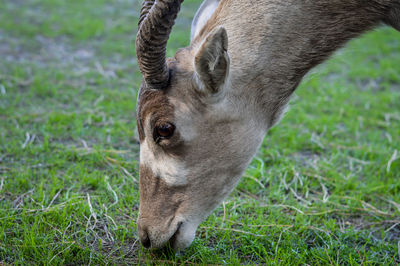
[(163, 131)]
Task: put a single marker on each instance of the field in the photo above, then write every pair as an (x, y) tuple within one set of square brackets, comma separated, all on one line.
[(323, 189)]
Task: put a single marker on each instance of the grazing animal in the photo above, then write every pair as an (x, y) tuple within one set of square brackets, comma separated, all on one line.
[(202, 115)]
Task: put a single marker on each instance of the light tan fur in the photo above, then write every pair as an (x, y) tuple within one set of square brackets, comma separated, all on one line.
[(225, 91)]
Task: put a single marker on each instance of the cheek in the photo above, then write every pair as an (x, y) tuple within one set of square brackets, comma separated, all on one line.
[(187, 129), (214, 177)]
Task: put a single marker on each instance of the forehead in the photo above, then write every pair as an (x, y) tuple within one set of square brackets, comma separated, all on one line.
[(159, 104)]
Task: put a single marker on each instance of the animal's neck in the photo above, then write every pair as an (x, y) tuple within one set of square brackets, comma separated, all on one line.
[(282, 40)]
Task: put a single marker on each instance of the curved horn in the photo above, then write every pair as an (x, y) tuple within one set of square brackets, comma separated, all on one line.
[(155, 24)]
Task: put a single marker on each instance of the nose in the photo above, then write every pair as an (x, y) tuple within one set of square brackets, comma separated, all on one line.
[(143, 235), (157, 237)]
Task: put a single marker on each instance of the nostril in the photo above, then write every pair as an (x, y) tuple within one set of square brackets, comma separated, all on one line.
[(145, 241), (143, 234)]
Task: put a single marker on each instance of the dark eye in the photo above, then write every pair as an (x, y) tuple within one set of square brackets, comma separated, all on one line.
[(164, 131)]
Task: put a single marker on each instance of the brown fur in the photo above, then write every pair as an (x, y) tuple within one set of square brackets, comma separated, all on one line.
[(155, 103)]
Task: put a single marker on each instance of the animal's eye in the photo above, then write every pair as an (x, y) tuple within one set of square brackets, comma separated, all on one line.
[(163, 131)]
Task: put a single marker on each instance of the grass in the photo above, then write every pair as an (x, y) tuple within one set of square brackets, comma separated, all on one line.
[(323, 189)]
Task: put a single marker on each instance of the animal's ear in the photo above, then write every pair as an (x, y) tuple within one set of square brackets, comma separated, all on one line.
[(212, 61)]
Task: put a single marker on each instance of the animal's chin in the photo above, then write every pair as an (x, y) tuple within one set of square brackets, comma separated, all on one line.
[(183, 237)]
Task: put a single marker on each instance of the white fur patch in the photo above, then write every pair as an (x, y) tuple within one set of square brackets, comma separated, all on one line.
[(166, 167)]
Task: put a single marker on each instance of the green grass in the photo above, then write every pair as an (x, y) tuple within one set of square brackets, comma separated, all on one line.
[(320, 190)]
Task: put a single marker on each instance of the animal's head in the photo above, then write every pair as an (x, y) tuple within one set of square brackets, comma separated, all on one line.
[(195, 141)]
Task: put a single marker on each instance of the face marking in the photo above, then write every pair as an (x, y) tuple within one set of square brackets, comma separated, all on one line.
[(163, 165), (156, 108)]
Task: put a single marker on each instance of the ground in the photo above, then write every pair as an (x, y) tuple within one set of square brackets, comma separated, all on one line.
[(323, 189)]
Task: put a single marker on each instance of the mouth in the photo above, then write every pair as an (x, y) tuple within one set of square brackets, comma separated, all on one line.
[(173, 239), (180, 237)]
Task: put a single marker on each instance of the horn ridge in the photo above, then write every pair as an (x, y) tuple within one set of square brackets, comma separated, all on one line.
[(155, 24), (146, 6)]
